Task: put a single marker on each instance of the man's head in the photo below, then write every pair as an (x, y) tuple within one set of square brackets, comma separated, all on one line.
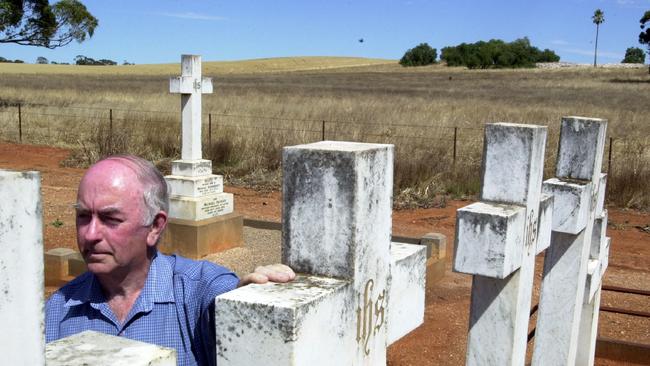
[(122, 206)]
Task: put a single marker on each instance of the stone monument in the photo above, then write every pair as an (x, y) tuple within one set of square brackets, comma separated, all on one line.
[(497, 240), (355, 293), (202, 220)]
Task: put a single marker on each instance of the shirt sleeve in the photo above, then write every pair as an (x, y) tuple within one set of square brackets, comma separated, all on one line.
[(54, 311), (221, 284)]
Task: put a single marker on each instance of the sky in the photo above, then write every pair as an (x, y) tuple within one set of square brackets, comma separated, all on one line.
[(159, 31)]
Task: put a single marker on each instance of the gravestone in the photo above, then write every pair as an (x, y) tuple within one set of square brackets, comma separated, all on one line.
[(201, 214), (497, 240), (578, 190), (355, 292), (22, 341)]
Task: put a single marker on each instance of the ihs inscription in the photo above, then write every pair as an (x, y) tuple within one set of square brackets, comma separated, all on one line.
[(370, 315)]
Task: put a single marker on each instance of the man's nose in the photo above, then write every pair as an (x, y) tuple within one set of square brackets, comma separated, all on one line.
[(92, 230)]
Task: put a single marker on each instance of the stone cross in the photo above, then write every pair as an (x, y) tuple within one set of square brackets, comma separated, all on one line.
[(355, 292), (191, 85), (22, 340), (497, 240), (576, 190)]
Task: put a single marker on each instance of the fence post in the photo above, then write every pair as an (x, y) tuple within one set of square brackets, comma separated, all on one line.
[(455, 139), (110, 131), (20, 124), (210, 130), (609, 160), (323, 136)]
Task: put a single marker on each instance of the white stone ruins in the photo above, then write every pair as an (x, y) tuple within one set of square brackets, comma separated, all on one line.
[(356, 292), (518, 217)]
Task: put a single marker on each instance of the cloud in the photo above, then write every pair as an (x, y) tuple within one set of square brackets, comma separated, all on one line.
[(583, 52), (633, 4), (193, 16)]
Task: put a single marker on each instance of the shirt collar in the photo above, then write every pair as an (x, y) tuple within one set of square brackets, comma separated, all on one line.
[(158, 287)]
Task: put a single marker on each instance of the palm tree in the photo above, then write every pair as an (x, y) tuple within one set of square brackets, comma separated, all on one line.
[(598, 19)]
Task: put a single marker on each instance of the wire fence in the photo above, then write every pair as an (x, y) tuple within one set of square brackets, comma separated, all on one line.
[(46, 124)]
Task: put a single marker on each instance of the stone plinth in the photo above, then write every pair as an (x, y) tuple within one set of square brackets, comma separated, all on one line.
[(56, 266), (196, 239), (99, 349), (22, 340), (436, 244), (200, 208)]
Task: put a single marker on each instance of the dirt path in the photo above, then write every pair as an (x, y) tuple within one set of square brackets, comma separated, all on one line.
[(441, 339)]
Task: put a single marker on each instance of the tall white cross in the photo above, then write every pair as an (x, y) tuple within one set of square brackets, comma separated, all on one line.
[(497, 240), (576, 190), (191, 85)]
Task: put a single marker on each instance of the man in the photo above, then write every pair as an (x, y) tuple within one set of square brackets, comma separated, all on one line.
[(130, 289)]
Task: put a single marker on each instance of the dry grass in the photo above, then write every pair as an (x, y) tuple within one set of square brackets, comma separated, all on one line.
[(261, 105)]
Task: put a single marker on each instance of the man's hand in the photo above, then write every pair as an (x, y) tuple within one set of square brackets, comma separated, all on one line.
[(272, 272)]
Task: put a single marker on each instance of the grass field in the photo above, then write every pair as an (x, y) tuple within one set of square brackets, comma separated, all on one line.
[(261, 105)]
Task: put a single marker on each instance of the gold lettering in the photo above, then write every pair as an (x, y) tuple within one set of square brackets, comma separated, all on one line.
[(366, 310)]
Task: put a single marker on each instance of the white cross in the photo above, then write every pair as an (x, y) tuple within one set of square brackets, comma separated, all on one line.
[(576, 189), (358, 292), (497, 240), (191, 85)]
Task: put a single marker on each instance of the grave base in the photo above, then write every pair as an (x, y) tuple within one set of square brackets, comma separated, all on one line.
[(435, 270), (196, 239)]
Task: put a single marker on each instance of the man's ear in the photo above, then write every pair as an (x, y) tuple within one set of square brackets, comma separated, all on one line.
[(157, 227)]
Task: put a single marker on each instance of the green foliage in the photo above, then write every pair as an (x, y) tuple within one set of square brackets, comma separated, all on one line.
[(634, 55), (421, 55), (83, 60), (37, 23), (496, 54), (57, 223), (6, 60), (598, 18), (41, 60), (644, 36)]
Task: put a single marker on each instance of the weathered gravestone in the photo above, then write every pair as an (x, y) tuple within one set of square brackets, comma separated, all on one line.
[(579, 195), (201, 214), (497, 240), (22, 340), (355, 292)]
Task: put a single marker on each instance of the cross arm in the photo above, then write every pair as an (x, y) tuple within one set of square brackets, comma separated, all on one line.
[(189, 85), (489, 239), (280, 324)]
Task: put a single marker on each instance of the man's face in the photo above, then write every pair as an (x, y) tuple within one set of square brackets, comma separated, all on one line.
[(110, 231)]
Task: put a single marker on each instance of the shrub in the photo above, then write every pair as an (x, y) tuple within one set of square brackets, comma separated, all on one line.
[(421, 55), (634, 55), (496, 54)]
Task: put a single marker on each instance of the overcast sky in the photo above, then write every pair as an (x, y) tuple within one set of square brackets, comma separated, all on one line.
[(159, 31)]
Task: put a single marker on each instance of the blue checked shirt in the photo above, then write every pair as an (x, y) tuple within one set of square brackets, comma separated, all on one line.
[(175, 309)]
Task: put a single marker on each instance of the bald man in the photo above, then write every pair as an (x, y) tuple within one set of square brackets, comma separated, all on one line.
[(130, 289)]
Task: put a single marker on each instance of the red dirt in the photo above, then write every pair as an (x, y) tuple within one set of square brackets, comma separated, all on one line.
[(441, 339)]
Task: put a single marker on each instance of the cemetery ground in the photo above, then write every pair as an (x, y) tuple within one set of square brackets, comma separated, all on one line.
[(441, 339)]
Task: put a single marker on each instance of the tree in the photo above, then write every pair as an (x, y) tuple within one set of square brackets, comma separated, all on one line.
[(37, 23), (421, 55), (41, 60), (634, 55), (644, 36), (598, 18)]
